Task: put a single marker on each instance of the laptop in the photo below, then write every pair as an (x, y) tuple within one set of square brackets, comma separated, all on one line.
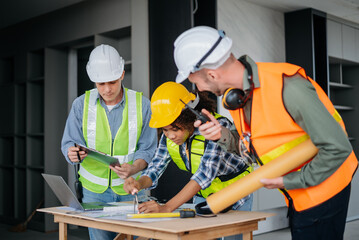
[(67, 197)]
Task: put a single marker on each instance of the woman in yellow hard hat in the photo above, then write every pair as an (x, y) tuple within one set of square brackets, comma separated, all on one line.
[(212, 167)]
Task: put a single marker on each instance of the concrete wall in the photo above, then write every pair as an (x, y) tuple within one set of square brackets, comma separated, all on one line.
[(255, 30)]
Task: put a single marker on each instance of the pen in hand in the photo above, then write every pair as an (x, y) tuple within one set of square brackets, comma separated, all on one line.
[(78, 153), (135, 203)]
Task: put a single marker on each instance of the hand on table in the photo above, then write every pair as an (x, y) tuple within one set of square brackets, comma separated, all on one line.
[(152, 207)]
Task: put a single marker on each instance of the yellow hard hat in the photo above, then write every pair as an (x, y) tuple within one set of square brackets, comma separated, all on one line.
[(166, 103)]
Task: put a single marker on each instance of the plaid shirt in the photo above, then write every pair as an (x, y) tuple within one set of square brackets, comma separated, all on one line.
[(214, 162)]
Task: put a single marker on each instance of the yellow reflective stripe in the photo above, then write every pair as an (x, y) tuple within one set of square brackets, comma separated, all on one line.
[(218, 185), (337, 116), (197, 151), (287, 146), (173, 150), (283, 149)]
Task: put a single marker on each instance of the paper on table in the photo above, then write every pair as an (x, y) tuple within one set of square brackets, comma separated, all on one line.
[(119, 209), (122, 216)]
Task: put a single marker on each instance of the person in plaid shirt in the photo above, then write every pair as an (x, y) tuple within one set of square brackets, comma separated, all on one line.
[(212, 167)]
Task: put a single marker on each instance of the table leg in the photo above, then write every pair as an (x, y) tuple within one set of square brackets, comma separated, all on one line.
[(247, 236), (121, 236), (62, 231)]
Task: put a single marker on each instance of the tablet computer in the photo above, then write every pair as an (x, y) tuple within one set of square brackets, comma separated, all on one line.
[(98, 156)]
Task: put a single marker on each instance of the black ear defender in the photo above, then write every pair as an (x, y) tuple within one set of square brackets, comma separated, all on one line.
[(235, 98)]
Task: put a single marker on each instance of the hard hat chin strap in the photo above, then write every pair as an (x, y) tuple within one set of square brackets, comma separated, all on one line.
[(222, 34)]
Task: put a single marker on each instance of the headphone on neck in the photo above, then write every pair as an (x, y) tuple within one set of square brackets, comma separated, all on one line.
[(235, 98)]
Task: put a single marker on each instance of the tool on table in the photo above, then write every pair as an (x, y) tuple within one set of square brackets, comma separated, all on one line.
[(135, 203), (199, 116), (186, 213)]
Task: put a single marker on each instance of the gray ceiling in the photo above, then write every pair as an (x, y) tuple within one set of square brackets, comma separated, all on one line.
[(346, 9), (15, 11)]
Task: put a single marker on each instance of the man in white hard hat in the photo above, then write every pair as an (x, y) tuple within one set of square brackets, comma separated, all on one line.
[(114, 120), (275, 107)]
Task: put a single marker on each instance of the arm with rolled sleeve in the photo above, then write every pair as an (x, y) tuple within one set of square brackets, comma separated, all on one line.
[(229, 140)]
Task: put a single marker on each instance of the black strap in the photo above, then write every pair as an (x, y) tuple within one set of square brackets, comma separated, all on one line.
[(203, 208), (221, 36), (290, 205), (78, 185), (254, 152), (225, 178)]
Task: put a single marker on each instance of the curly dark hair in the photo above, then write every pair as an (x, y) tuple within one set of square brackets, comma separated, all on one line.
[(186, 119)]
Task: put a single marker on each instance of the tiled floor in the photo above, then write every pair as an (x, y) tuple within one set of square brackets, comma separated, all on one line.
[(351, 233)]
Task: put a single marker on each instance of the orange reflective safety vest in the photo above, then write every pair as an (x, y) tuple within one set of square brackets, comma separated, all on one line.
[(273, 132)]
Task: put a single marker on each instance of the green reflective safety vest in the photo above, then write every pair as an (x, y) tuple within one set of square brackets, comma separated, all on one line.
[(96, 176), (196, 151)]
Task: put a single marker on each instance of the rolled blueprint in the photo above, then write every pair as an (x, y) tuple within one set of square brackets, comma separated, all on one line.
[(250, 183)]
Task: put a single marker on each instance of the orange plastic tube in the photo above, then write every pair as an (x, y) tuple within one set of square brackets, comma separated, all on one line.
[(250, 183)]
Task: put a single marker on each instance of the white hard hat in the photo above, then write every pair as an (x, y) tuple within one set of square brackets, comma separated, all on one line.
[(105, 64), (200, 47)]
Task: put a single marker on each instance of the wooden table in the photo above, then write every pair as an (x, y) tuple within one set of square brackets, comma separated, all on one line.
[(230, 223)]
